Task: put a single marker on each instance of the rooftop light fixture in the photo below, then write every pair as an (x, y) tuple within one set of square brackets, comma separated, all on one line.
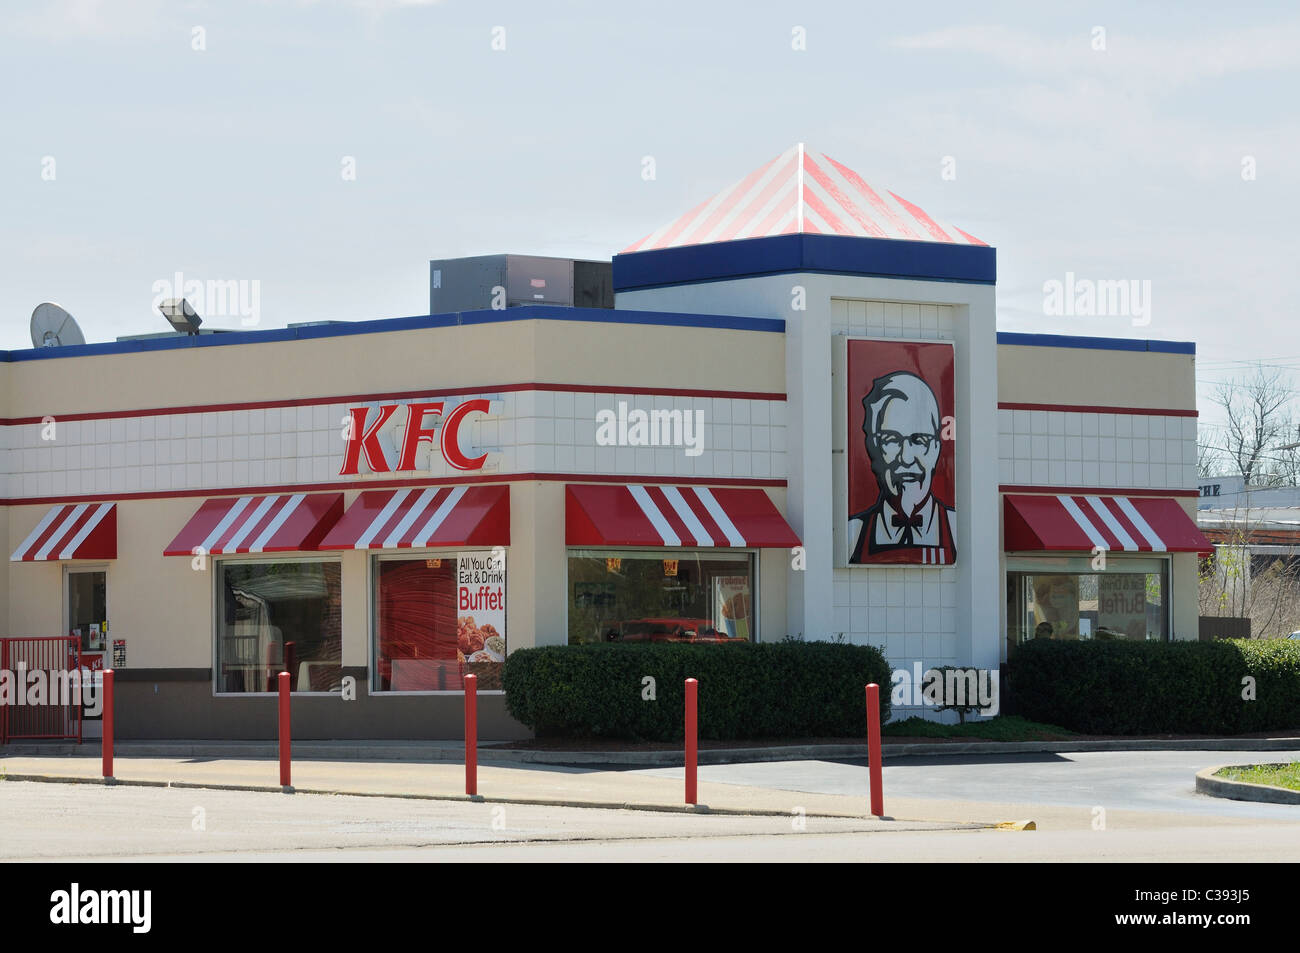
[(182, 316)]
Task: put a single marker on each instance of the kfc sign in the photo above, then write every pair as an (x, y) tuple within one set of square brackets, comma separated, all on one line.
[(899, 451), (395, 438)]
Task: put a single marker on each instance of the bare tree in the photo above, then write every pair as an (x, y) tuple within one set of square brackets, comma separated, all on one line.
[(1252, 573), (1257, 420), (1283, 464), (1209, 458), (1264, 588)]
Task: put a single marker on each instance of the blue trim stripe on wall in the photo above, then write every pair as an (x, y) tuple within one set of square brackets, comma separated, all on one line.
[(1101, 344), (786, 254), (526, 313)]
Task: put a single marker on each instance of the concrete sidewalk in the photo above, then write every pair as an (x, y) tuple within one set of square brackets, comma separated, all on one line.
[(562, 787), (490, 752), (534, 784)]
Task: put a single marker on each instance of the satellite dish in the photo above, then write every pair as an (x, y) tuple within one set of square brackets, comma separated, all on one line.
[(52, 326)]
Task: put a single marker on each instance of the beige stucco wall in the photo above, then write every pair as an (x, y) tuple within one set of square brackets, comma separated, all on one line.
[(396, 361), (160, 605), (4, 573), (1185, 576), (1095, 377)]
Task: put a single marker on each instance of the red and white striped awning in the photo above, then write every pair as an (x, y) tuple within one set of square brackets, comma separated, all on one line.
[(1114, 523), (74, 531), (801, 191), (420, 517), (292, 522), (616, 515)]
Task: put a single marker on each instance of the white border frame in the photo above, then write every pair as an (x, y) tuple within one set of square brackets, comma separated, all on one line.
[(840, 466)]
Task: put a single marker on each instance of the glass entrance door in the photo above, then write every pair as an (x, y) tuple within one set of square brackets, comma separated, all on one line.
[(86, 618)]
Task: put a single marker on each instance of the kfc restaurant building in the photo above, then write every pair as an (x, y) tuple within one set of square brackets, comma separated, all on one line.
[(798, 419)]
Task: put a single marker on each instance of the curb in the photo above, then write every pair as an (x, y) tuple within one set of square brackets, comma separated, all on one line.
[(648, 806), (1207, 783), (888, 752), (708, 756)]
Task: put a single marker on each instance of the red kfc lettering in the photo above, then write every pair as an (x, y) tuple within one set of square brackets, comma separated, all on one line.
[(451, 435), (484, 598), (417, 432), (366, 440)]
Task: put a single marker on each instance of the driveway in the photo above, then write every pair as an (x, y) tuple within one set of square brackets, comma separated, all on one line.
[(1161, 781)]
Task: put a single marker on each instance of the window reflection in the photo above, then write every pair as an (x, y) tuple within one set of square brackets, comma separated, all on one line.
[(661, 596), (279, 616), (1084, 606)]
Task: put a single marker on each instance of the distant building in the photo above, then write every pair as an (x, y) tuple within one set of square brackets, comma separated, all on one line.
[(1231, 493), (1254, 530)]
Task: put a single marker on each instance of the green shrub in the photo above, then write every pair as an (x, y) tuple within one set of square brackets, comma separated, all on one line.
[(765, 690), (1275, 665), (1127, 688)]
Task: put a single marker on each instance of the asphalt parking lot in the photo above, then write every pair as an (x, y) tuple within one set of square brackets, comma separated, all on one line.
[(1161, 781)]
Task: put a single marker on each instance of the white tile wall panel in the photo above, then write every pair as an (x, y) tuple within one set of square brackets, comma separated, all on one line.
[(537, 431), (1142, 451)]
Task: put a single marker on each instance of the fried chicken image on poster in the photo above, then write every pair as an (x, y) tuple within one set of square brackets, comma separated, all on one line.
[(901, 484)]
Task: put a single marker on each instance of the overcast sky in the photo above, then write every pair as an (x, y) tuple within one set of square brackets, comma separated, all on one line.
[(1154, 143)]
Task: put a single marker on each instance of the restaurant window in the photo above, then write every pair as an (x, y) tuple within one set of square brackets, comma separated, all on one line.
[(279, 616), (661, 596), (439, 618), (1070, 599)]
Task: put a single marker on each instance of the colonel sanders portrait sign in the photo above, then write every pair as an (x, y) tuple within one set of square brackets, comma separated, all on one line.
[(899, 453)]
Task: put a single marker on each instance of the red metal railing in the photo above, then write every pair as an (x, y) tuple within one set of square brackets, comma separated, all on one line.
[(55, 711)]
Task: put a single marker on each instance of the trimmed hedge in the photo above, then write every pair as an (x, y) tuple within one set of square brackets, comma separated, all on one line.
[(748, 690), (1128, 688)]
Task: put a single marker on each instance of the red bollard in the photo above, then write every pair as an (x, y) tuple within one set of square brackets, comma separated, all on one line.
[(285, 734), (873, 749), (471, 735), (692, 730), (108, 721)]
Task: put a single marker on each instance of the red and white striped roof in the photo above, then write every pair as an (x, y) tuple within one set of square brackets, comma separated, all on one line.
[(74, 531), (292, 522), (635, 515), (420, 517), (1114, 523), (801, 191)]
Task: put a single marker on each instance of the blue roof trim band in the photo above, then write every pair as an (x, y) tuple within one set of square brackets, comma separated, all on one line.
[(622, 316), (1100, 344), (418, 322), (785, 254)]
